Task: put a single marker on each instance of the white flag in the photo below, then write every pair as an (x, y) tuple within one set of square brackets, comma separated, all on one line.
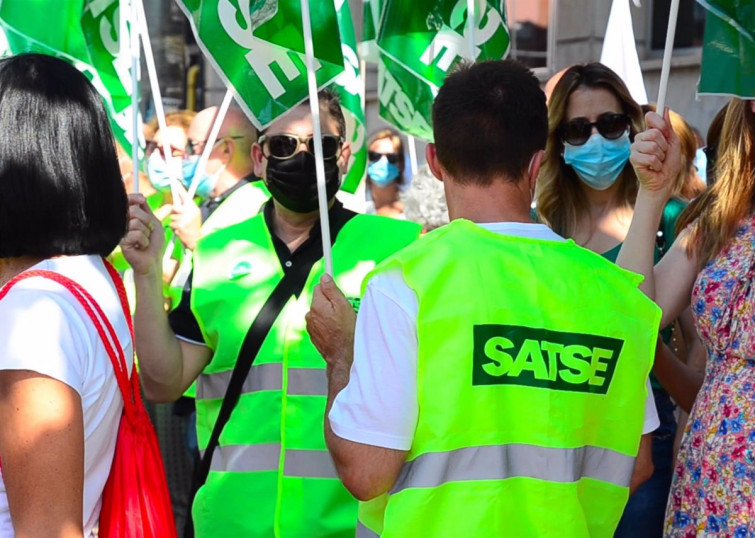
[(620, 50)]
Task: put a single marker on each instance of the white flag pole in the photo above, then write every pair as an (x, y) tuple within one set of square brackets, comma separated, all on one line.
[(314, 103), (412, 143), (210, 142), (670, 32), (471, 28), (134, 42), (174, 166)]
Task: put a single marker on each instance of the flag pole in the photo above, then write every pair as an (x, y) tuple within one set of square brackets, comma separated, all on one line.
[(171, 161), (667, 51), (317, 134), (412, 143), (471, 28), (210, 142), (134, 42)]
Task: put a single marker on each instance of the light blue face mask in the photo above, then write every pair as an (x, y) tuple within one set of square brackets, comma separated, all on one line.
[(207, 182), (382, 173), (599, 162), (157, 172)]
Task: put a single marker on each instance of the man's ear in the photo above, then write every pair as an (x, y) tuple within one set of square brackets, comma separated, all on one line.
[(534, 168), (343, 160), (257, 158), (433, 162)]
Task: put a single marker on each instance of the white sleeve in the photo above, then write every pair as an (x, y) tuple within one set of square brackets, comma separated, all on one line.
[(379, 405), (42, 333), (651, 422)]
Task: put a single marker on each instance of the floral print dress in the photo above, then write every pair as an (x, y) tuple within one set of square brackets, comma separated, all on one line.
[(712, 488)]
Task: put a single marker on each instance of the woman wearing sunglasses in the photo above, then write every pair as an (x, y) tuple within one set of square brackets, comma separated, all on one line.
[(385, 173), (586, 191)]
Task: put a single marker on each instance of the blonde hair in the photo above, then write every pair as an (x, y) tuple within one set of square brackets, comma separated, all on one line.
[(177, 118), (560, 197), (717, 212)]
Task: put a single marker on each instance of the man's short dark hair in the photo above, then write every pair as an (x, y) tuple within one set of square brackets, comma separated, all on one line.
[(489, 118), (61, 191), (330, 101)]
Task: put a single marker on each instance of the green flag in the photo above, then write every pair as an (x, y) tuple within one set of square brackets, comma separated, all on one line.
[(429, 37), (370, 18), (728, 62), (405, 101), (349, 86), (83, 33), (257, 48), (108, 40)]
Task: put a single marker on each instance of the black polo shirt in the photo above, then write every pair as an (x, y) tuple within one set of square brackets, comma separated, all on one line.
[(182, 319)]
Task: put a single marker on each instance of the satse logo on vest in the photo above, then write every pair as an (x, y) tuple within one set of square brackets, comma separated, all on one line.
[(516, 355)]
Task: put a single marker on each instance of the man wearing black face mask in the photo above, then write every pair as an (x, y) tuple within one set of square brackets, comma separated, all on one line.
[(269, 472)]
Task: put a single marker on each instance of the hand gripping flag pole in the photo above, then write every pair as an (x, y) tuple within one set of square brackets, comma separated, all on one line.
[(317, 134)]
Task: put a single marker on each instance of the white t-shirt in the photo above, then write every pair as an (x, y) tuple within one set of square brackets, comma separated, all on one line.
[(44, 329), (379, 405)]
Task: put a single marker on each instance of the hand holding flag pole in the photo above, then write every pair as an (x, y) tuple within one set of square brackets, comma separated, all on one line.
[(667, 52), (317, 134)]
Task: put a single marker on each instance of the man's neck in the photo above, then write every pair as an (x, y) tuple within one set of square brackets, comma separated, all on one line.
[(227, 180), (498, 202), (292, 228)]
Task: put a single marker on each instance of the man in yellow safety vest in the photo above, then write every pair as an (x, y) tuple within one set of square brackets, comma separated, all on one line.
[(499, 384)]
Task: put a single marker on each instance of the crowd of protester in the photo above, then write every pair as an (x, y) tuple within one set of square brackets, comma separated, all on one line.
[(243, 378)]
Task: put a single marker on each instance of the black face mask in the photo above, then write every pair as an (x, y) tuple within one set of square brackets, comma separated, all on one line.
[(293, 182)]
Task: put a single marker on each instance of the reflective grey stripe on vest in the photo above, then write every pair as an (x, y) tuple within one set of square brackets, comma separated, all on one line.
[(245, 458), (499, 462), (266, 457), (310, 464), (301, 381), (364, 532)]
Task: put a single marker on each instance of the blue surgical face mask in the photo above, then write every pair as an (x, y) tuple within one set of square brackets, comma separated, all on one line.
[(157, 172), (382, 173), (599, 162), (207, 181)]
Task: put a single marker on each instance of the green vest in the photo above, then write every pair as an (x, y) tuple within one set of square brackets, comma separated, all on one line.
[(243, 203), (533, 357), (271, 474)]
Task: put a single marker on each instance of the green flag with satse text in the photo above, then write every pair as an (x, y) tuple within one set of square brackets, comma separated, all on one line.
[(429, 37), (405, 101), (257, 48), (85, 33), (349, 86), (728, 61), (108, 39), (418, 43)]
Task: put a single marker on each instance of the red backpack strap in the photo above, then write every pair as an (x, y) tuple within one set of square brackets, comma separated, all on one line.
[(100, 321)]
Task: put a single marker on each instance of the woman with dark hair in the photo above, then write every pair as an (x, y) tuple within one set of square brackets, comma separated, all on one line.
[(63, 207), (586, 191), (385, 172)]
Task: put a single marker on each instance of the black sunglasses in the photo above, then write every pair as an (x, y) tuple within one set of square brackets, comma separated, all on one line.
[(577, 131), (284, 146), (375, 156)]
